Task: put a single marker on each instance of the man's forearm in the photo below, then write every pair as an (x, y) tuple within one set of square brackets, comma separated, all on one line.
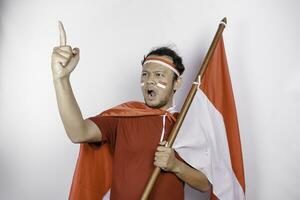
[(69, 110), (193, 177)]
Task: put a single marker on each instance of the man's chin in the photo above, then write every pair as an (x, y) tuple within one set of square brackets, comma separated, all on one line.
[(154, 104), (150, 104)]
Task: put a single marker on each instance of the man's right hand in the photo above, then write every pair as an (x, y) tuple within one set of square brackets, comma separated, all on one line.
[(64, 58)]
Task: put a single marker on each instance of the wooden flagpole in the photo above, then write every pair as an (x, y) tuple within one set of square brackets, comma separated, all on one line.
[(185, 106)]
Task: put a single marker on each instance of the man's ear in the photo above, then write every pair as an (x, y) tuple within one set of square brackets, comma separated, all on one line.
[(177, 83)]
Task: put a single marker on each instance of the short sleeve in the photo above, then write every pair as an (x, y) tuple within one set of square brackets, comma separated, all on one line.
[(108, 127)]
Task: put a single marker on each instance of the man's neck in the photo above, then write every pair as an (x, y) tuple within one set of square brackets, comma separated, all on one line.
[(168, 105)]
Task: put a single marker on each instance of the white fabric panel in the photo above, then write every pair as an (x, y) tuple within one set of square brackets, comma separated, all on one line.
[(202, 143), (107, 195)]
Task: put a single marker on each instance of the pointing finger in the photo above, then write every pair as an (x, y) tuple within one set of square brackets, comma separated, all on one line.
[(62, 34)]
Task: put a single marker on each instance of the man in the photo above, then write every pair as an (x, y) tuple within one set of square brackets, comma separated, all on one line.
[(135, 131)]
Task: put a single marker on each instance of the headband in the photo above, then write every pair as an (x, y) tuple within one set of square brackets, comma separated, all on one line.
[(163, 62)]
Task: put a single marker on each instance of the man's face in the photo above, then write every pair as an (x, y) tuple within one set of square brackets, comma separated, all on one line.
[(154, 77)]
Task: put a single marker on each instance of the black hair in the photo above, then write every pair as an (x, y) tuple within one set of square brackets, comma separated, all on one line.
[(166, 51)]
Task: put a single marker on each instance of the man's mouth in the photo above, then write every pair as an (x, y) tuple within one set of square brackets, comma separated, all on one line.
[(151, 94)]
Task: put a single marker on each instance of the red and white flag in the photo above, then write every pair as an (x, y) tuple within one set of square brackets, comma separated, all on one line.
[(209, 137)]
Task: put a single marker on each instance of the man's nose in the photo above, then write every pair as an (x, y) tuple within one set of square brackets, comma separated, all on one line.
[(151, 80)]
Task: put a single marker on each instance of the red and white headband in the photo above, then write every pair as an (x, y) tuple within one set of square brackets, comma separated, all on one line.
[(162, 61)]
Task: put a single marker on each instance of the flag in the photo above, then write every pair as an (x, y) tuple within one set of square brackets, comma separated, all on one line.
[(209, 137)]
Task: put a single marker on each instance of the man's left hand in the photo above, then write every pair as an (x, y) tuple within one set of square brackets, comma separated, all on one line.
[(165, 158)]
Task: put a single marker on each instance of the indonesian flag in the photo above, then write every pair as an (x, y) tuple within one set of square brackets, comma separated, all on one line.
[(209, 137)]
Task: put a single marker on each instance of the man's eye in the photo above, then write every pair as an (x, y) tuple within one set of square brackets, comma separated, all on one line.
[(159, 75), (144, 74)]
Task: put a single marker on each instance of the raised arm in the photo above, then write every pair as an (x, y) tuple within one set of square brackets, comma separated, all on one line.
[(64, 61)]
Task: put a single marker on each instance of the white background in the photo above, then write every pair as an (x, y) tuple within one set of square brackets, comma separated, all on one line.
[(37, 159)]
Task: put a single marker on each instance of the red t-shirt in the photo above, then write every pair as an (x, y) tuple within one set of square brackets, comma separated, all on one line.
[(134, 141)]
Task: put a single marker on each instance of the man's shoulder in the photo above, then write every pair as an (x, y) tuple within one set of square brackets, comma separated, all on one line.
[(130, 105)]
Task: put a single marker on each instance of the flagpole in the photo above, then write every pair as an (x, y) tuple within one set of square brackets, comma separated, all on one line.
[(186, 106)]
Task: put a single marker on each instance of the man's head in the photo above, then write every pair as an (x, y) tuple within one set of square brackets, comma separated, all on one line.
[(161, 77)]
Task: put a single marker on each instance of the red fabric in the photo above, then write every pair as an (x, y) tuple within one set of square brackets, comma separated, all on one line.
[(93, 174)]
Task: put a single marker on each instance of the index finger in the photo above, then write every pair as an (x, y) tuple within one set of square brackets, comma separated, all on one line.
[(62, 34), (163, 148), (163, 143)]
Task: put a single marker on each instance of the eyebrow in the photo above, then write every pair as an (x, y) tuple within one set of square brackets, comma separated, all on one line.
[(154, 71)]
